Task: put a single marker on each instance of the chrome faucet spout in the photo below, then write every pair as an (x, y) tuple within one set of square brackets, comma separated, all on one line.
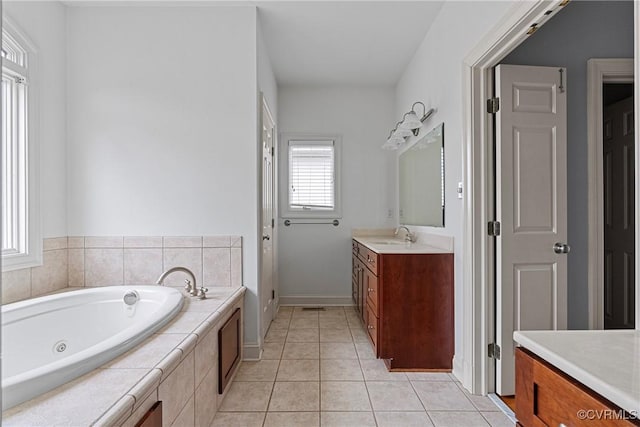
[(409, 237), (190, 285)]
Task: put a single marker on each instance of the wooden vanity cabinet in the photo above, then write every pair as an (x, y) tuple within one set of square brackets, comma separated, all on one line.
[(546, 396), (408, 307)]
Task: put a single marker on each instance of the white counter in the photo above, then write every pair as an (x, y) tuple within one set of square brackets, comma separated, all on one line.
[(384, 242), (608, 362)]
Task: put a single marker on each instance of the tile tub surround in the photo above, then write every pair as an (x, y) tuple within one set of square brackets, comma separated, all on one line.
[(52, 275), (177, 365), (126, 260), (328, 376)]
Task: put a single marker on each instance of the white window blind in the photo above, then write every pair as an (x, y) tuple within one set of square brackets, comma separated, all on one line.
[(312, 179)]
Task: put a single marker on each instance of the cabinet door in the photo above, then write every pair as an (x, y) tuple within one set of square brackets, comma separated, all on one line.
[(153, 417), (371, 288), (228, 349), (372, 328)]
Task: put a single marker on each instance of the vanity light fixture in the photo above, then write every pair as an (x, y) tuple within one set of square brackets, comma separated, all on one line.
[(410, 125), (412, 122)]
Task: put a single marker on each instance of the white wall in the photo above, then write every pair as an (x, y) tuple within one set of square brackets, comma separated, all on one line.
[(44, 23), (162, 125), (266, 79), (434, 76), (315, 260)]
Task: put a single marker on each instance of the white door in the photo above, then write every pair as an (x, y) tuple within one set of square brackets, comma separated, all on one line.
[(531, 205), (267, 290)]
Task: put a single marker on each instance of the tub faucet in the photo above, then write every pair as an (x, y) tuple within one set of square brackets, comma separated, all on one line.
[(190, 286), (409, 237)]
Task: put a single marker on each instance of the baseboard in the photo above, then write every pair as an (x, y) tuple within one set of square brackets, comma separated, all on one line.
[(315, 300), (252, 352), (458, 368)]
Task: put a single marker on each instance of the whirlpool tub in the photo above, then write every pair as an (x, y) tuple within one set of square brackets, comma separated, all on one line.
[(48, 341)]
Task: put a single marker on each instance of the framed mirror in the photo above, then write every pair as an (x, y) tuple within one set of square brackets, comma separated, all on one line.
[(421, 180)]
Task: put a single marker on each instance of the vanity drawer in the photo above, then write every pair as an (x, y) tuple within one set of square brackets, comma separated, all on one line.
[(371, 323), (371, 288), (370, 259)]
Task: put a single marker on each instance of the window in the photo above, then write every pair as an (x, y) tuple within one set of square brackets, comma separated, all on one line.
[(21, 240), (311, 173)]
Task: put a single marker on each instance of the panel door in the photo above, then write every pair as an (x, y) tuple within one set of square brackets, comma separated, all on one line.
[(267, 286), (619, 215), (531, 205)]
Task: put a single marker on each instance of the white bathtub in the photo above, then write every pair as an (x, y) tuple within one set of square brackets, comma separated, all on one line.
[(51, 340)]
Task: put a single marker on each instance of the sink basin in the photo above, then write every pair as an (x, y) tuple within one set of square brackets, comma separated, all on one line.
[(389, 242)]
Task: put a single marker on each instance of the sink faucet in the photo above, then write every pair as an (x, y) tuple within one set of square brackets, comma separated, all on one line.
[(189, 287), (409, 237)]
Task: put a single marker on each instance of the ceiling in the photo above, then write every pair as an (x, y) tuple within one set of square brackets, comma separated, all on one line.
[(343, 42)]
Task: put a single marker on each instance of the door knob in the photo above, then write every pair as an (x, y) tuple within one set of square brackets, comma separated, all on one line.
[(561, 248), (266, 237)]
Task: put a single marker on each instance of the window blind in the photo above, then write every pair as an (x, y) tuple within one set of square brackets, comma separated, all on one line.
[(311, 175)]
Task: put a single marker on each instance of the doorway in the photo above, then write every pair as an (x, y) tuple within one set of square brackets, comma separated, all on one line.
[(619, 205), (479, 209)]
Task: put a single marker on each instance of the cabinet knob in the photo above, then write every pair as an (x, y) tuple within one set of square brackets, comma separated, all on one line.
[(370, 289), (369, 326)]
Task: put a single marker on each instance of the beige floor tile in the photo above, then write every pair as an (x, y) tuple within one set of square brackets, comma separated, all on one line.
[(457, 419), (263, 370), (481, 403), (375, 370), (334, 322), (347, 419), (497, 419), (365, 351), (332, 315), (335, 335), (299, 370), (304, 323), (238, 419), (337, 350), (404, 419), (280, 323), (298, 314), (303, 335), (340, 370), (393, 396), (247, 397), (295, 396), (344, 396), (297, 350), (442, 396), (272, 350), (276, 335), (292, 419), (359, 335), (429, 376)]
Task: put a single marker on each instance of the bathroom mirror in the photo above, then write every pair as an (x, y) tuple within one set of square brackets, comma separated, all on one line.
[(421, 180)]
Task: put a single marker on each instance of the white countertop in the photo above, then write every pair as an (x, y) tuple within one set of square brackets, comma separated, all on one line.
[(608, 362), (390, 245)]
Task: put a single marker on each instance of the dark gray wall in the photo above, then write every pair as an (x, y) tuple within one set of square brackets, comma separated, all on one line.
[(584, 30)]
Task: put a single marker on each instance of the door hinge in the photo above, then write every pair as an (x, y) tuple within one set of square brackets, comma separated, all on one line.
[(493, 228), (273, 223), (273, 151), (493, 105), (273, 294), (494, 351)]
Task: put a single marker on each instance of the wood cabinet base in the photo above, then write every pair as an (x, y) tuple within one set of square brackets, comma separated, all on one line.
[(546, 396)]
